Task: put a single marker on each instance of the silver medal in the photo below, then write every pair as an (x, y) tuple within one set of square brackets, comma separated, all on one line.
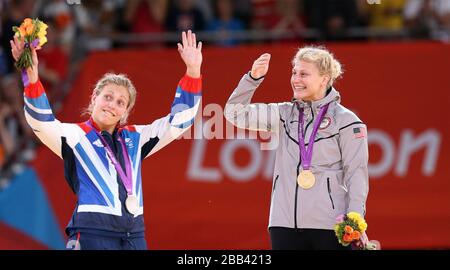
[(132, 204)]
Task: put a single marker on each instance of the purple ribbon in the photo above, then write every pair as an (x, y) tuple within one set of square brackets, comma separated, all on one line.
[(126, 178), (306, 154), (34, 44), (25, 79)]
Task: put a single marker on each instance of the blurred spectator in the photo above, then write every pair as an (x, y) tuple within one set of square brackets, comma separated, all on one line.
[(263, 14), (243, 11), (2, 13), (184, 15), (332, 17), (3, 62), (225, 23), (6, 138), (206, 8), (289, 23), (17, 139), (428, 18), (146, 16), (53, 63), (96, 21), (15, 135), (64, 22), (387, 14), (12, 94), (362, 7), (17, 10)]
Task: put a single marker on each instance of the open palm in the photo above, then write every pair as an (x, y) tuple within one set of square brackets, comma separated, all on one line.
[(191, 53), (260, 66)]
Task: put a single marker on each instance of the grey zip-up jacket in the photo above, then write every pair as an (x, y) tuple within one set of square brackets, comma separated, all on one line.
[(339, 160)]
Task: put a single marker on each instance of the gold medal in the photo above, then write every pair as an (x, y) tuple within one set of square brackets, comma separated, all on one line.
[(306, 179), (132, 204)]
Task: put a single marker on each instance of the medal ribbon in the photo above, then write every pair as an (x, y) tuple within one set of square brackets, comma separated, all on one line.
[(126, 178), (306, 154)]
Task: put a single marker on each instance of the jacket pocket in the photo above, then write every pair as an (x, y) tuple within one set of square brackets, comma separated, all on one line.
[(329, 192), (275, 182)]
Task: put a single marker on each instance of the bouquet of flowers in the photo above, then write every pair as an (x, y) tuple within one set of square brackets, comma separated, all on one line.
[(350, 229), (33, 32)]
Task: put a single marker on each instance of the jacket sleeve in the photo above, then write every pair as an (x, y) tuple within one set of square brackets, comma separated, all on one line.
[(184, 109), (252, 116), (39, 116), (355, 158)]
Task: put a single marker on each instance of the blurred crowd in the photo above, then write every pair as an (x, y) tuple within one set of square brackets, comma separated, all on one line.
[(79, 27)]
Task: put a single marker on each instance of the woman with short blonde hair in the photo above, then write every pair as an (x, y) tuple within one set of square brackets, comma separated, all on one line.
[(321, 160)]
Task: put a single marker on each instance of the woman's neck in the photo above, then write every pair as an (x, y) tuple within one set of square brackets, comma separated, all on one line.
[(102, 127), (317, 97)]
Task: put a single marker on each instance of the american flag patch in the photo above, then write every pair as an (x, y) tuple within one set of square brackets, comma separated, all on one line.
[(359, 132)]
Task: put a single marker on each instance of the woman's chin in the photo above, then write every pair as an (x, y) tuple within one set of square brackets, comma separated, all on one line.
[(106, 122)]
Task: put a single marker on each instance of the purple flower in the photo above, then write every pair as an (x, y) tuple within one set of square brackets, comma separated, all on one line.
[(340, 219)]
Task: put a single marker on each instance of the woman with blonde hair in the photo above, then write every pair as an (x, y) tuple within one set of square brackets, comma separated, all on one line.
[(102, 156), (322, 154)]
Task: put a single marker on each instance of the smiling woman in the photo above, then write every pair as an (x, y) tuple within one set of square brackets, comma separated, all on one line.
[(312, 186), (102, 156), (112, 100), (314, 71)]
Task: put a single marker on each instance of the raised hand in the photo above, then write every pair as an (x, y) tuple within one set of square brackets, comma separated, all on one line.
[(17, 48), (191, 53), (260, 66)]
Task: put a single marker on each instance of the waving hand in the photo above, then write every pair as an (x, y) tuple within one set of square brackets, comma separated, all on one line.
[(191, 53)]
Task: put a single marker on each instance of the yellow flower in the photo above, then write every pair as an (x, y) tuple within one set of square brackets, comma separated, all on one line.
[(362, 226), (42, 29), (42, 25), (354, 215), (42, 41), (42, 33)]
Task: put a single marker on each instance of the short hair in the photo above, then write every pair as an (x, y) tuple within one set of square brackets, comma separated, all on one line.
[(323, 59), (117, 79)]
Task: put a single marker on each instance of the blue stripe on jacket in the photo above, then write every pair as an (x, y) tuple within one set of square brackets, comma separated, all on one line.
[(40, 102), (39, 116), (88, 192), (91, 167)]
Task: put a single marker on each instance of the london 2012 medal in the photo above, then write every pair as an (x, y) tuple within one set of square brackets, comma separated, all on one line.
[(306, 179)]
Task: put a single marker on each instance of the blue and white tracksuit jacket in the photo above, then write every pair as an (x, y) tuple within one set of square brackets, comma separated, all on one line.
[(90, 173)]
